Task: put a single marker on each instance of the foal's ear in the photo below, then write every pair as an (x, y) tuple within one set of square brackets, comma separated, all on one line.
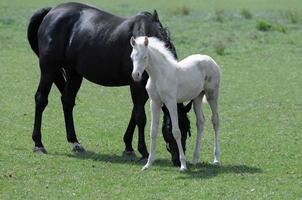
[(155, 16), (132, 41), (188, 107), (146, 42)]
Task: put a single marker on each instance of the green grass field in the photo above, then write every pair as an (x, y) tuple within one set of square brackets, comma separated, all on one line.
[(260, 110)]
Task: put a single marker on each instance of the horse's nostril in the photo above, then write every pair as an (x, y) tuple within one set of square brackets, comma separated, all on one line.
[(136, 76)]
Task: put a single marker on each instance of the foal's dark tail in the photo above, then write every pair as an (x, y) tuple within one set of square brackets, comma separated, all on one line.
[(33, 27)]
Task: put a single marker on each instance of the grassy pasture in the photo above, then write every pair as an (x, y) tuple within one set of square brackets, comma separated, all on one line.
[(260, 110)]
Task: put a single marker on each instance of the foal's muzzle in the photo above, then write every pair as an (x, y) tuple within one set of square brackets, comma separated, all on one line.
[(136, 76)]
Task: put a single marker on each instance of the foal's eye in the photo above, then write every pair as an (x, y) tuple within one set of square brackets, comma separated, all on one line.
[(145, 57)]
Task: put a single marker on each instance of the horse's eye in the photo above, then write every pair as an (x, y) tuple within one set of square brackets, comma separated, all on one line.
[(145, 57)]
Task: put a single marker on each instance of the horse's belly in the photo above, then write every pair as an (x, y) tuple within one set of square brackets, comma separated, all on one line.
[(113, 82), (106, 76), (187, 97), (188, 93)]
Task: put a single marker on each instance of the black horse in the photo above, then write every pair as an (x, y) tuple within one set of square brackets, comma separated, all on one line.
[(75, 40)]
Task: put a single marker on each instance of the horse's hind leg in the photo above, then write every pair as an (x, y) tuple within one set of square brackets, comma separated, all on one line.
[(60, 81), (72, 86), (212, 97), (199, 124), (41, 101)]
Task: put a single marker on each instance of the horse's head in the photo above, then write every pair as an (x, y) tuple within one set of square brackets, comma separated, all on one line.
[(162, 33), (148, 24), (184, 126)]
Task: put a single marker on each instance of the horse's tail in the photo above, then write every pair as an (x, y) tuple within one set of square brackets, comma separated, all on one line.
[(33, 27)]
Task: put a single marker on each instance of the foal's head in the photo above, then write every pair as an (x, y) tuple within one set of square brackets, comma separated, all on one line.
[(184, 126), (139, 56)]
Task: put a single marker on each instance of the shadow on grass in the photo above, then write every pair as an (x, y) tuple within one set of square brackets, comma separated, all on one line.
[(200, 171), (114, 158), (207, 170)]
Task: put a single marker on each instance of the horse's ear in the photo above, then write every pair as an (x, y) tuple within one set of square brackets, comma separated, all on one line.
[(155, 16), (146, 42), (132, 41), (188, 107)]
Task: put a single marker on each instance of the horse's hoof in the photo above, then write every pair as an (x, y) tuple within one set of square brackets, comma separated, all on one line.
[(77, 147), (40, 150), (142, 160), (129, 153)]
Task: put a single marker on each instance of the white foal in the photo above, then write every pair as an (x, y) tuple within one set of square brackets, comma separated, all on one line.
[(171, 82)]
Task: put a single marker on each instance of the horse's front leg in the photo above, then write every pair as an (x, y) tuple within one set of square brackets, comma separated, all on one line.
[(172, 107), (128, 136), (138, 117), (155, 114)]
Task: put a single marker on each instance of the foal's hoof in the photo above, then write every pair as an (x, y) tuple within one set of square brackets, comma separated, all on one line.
[(129, 153), (39, 150), (216, 162), (77, 147), (183, 169), (147, 166)]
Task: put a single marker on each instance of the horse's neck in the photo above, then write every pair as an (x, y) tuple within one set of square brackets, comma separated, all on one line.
[(159, 67)]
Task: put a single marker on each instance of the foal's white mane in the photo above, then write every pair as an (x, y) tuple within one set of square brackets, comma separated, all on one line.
[(158, 46)]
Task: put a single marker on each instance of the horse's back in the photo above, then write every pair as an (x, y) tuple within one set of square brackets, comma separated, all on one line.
[(61, 23), (203, 63), (56, 28), (201, 71), (211, 71)]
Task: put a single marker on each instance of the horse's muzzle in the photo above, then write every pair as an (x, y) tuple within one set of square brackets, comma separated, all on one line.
[(136, 76)]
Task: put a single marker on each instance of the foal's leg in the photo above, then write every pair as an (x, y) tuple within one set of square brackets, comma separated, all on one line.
[(138, 117), (172, 107), (41, 101), (212, 98), (155, 114), (200, 124), (72, 86)]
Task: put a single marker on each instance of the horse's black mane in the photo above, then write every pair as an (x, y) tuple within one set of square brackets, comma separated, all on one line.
[(146, 13)]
